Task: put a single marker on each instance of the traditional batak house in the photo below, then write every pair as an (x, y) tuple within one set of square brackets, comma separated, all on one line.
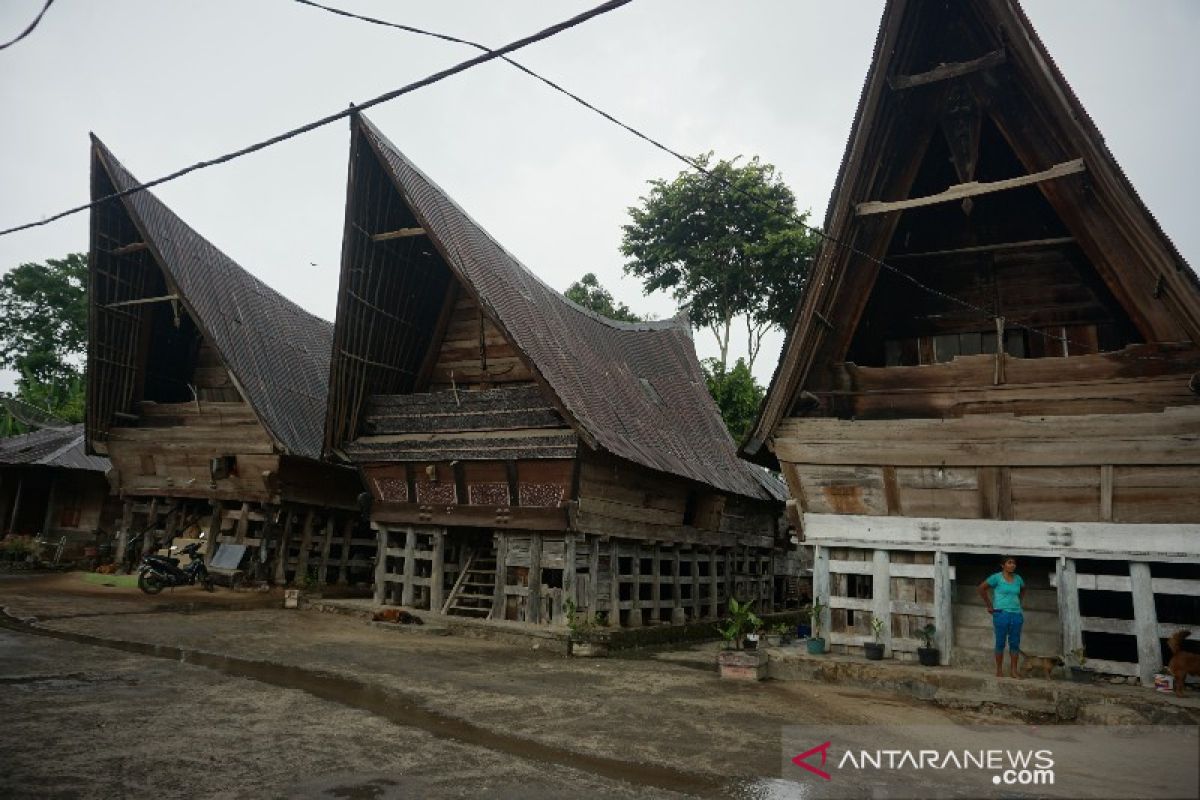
[(50, 487), (1018, 375), (528, 459), (207, 391)]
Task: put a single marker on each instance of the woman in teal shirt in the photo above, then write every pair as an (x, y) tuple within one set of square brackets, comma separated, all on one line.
[(1003, 602)]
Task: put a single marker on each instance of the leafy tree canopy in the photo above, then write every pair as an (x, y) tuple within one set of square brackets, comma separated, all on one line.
[(43, 333), (588, 293), (736, 393), (729, 246)]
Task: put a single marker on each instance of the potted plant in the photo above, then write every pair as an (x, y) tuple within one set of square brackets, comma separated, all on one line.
[(874, 650), (734, 661), (584, 639), (784, 632), (1076, 670), (816, 643), (928, 654)]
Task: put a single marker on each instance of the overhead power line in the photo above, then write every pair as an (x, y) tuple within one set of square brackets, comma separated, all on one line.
[(699, 167), (490, 55), (29, 29)]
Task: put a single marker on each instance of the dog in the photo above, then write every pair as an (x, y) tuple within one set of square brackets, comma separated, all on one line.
[(1043, 664), (1182, 663), (397, 615)]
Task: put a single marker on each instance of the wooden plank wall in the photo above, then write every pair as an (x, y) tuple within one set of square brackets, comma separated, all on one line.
[(474, 353)]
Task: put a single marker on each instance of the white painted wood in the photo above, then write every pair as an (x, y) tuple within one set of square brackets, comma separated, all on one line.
[(943, 604), (881, 596), (1068, 605), (898, 570), (1108, 625), (851, 603), (898, 645), (1100, 540), (970, 189), (822, 584), (1126, 668), (1121, 583), (1145, 622)]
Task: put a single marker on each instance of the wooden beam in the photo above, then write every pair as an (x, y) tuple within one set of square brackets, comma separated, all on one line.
[(381, 565), (568, 578), (402, 233), (1005, 247), (1068, 604), (1145, 620), (881, 596), (972, 189), (143, 300), (944, 72), (132, 247), (437, 570), (533, 600), (410, 565), (499, 600), (822, 585), (943, 605)]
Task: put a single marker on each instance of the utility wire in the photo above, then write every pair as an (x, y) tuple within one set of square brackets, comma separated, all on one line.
[(32, 25), (490, 55), (699, 167)]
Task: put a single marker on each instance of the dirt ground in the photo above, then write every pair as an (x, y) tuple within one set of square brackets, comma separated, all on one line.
[(304, 704)]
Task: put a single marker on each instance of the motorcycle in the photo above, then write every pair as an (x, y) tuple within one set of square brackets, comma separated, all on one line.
[(158, 572)]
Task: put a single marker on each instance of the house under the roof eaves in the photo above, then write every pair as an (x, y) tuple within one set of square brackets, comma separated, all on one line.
[(206, 389), (1004, 360), (525, 456)]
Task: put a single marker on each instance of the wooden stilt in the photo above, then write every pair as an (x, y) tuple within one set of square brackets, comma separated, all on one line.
[(305, 546), (243, 524), (943, 605), (499, 599), (568, 580), (123, 533), (1069, 621), (695, 574), (656, 584), (410, 565), (822, 584), (281, 555), (326, 546), (881, 596), (635, 595), (214, 528), (533, 600), (678, 616), (437, 573), (381, 565), (151, 528), (347, 537), (593, 584), (614, 584), (714, 585), (1145, 622)]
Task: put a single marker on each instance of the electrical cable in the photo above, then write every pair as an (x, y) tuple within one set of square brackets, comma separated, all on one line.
[(490, 55), (32, 25)]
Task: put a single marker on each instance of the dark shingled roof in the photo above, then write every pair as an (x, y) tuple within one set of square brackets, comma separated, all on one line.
[(51, 447), (278, 352), (634, 389)]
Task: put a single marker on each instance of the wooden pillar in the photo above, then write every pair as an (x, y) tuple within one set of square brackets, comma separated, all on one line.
[(614, 584), (281, 555), (410, 565), (821, 584), (533, 599), (437, 571), (881, 595), (305, 546), (1068, 604), (943, 605), (16, 509), (714, 584), (695, 575), (1145, 622), (123, 532), (568, 579), (151, 527), (214, 528), (499, 598), (593, 588), (730, 576), (266, 535), (347, 537), (326, 546), (48, 518), (381, 565), (656, 584), (635, 596), (678, 616), (242, 524)]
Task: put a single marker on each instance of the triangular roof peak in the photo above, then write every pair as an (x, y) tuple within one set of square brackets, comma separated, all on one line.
[(277, 352), (963, 71)]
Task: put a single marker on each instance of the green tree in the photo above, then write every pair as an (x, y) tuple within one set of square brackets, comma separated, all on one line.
[(588, 293), (729, 244), (43, 332), (736, 393)]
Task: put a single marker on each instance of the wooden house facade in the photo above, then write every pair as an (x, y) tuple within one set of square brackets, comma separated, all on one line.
[(528, 460), (50, 487), (996, 353), (207, 390)]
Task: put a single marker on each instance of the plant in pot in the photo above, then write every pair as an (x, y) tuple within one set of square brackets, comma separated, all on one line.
[(734, 661), (1076, 670), (816, 643), (585, 639), (874, 650), (927, 653), (785, 632)]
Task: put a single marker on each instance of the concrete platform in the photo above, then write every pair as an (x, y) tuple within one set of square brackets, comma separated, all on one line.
[(1034, 699)]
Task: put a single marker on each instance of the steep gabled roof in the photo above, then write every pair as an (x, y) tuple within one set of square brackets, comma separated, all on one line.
[(633, 389), (1149, 262), (51, 447), (276, 351)]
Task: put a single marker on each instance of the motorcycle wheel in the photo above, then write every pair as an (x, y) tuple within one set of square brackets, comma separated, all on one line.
[(150, 583)]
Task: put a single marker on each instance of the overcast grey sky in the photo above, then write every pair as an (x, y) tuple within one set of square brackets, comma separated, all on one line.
[(166, 84)]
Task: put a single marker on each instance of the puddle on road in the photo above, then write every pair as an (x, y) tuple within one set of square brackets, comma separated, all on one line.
[(399, 710)]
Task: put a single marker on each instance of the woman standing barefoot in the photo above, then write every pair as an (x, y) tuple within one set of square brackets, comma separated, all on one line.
[(1002, 593)]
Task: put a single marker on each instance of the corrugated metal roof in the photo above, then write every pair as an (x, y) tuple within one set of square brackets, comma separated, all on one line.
[(51, 447), (278, 352), (598, 368)]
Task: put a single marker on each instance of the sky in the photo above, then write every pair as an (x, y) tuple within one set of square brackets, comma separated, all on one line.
[(166, 84)]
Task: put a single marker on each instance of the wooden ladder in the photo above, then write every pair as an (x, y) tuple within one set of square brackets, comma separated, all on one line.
[(473, 591)]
